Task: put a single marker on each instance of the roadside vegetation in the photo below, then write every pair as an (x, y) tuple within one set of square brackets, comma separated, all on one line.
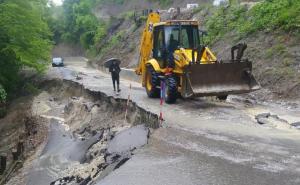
[(265, 16), (2, 101), (271, 30), (25, 42), (76, 24)]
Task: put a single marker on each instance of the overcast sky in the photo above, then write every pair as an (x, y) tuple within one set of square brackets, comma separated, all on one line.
[(57, 2), (217, 2)]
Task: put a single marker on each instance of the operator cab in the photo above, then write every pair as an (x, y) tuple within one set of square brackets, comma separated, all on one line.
[(170, 37)]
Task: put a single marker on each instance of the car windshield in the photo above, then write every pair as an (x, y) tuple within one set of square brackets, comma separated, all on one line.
[(57, 60), (189, 36)]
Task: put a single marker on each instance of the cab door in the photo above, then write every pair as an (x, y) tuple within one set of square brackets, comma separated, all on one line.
[(159, 48)]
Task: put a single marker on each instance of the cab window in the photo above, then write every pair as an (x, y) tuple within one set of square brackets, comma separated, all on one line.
[(158, 43)]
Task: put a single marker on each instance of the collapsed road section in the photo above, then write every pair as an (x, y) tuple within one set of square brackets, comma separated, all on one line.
[(87, 138), (203, 141)]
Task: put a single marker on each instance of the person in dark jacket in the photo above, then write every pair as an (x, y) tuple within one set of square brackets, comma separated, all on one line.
[(173, 45), (115, 70)]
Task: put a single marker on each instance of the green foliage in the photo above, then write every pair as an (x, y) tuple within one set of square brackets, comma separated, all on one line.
[(3, 95), (100, 33), (77, 24), (287, 62), (24, 39), (267, 15), (31, 88), (27, 34), (117, 38), (162, 3), (128, 15), (270, 15), (119, 2), (225, 20), (276, 50), (113, 41)]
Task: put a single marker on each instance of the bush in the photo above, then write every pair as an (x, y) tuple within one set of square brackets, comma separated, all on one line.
[(128, 15), (112, 42), (264, 16), (163, 3), (3, 95), (30, 88), (24, 42), (283, 14), (2, 102)]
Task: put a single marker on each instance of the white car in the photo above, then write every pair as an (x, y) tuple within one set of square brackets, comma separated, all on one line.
[(57, 62)]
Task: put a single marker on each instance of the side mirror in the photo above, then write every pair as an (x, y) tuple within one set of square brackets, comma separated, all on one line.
[(202, 33)]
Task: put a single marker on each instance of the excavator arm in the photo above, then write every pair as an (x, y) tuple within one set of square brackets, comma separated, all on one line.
[(146, 44)]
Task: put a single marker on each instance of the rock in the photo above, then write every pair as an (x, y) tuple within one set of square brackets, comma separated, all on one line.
[(296, 124), (79, 179), (109, 168), (3, 161), (89, 105), (74, 98), (102, 166), (263, 115), (78, 78), (86, 181), (278, 119), (103, 151), (272, 120), (63, 180), (121, 162), (262, 120), (68, 107), (128, 139)]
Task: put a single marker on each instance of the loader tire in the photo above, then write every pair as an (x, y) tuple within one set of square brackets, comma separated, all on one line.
[(171, 92), (152, 82), (222, 98)]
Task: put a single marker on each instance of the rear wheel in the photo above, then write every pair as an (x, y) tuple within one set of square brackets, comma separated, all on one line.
[(171, 92), (152, 82), (222, 98)]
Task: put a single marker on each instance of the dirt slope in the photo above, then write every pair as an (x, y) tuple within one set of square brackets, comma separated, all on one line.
[(275, 56), (276, 61)]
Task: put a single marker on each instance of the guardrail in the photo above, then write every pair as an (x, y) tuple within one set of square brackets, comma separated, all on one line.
[(128, 74)]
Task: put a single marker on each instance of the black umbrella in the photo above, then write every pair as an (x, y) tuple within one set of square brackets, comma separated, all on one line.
[(109, 62)]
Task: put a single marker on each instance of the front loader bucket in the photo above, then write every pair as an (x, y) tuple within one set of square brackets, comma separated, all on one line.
[(218, 79)]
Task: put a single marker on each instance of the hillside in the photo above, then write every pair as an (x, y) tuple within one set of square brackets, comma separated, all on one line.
[(274, 49), (269, 28)]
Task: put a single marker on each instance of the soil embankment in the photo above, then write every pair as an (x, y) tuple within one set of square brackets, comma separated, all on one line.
[(87, 139)]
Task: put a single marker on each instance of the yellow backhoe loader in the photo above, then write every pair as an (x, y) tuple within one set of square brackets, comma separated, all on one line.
[(173, 51)]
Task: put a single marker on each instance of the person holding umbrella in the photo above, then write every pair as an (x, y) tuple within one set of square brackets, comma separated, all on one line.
[(114, 69)]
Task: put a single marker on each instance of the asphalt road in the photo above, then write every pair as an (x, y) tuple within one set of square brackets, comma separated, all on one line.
[(204, 141)]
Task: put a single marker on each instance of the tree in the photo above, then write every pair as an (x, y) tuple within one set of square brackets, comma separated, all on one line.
[(24, 39), (79, 24)]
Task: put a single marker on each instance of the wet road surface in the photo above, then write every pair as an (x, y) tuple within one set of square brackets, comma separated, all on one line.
[(204, 141)]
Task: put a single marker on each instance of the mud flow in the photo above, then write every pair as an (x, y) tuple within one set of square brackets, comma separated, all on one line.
[(85, 136)]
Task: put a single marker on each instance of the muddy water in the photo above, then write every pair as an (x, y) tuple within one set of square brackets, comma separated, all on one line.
[(61, 150), (87, 140)]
